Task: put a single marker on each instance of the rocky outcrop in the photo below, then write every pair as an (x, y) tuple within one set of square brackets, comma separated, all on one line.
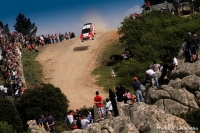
[(35, 128), (179, 74), (171, 98), (139, 117), (191, 83), (152, 119), (118, 124), (187, 68)]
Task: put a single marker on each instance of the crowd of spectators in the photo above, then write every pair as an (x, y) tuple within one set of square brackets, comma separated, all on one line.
[(11, 67), (78, 119)]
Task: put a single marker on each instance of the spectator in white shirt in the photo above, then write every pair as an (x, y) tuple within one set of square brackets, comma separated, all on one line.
[(70, 117), (152, 74), (175, 63), (1, 87), (5, 89), (108, 107), (85, 122)]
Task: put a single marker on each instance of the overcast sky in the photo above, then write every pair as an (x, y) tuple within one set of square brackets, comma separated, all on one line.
[(60, 16)]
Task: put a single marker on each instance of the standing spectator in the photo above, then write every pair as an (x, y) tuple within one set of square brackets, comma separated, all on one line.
[(113, 101), (191, 47), (52, 38), (99, 104), (152, 74), (175, 63), (108, 107), (60, 37), (185, 51), (69, 36), (123, 91), (196, 41), (66, 36), (70, 117), (42, 40), (78, 122), (50, 124), (137, 88), (56, 38), (85, 122), (155, 67), (5, 89), (164, 72), (119, 94)]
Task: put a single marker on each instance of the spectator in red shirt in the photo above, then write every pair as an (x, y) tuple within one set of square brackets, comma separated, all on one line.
[(98, 102)]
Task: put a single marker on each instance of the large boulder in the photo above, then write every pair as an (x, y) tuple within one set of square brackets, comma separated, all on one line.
[(179, 74), (120, 124), (171, 100), (94, 128), (152, 119), (176, 84), (191, 83)]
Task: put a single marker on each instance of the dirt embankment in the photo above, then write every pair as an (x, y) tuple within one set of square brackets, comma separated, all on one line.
[(68, 65)]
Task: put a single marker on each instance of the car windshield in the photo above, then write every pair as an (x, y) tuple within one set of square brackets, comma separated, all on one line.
[(85, 31)]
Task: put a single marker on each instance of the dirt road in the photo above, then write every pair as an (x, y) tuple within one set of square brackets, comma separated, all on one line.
[(68, 65)]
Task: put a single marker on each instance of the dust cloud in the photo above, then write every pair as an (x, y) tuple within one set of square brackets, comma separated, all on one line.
[(96, 19)]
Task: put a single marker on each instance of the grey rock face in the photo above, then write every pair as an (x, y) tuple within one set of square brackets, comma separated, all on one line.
[(94, 128), (179, 74), (120, 124), (176, 84), (191, 83), (152, 119), (171, 100)]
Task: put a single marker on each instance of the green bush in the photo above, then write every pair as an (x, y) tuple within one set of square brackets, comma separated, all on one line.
[(192, 117), (42, 100), (6, 128), (9, 114), (62, 126)]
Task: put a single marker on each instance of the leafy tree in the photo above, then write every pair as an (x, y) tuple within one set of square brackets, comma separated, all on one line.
[(24, 25), (43, 99), (9, 114), (6, 128)]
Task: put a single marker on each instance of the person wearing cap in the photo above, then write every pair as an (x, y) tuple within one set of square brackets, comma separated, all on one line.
[(137, 88), (152, 74)]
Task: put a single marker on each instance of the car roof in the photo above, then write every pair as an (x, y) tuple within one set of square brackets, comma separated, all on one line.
[(87, 24)]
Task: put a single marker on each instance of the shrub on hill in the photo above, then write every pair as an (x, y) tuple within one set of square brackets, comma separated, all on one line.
[(42, 100), (9, 114), (6, 128), (192, 117)]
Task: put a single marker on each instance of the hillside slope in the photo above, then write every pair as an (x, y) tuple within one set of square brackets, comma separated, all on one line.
[(68, 65)]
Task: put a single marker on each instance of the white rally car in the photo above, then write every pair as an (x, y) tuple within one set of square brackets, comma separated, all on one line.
[(87, 32)]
